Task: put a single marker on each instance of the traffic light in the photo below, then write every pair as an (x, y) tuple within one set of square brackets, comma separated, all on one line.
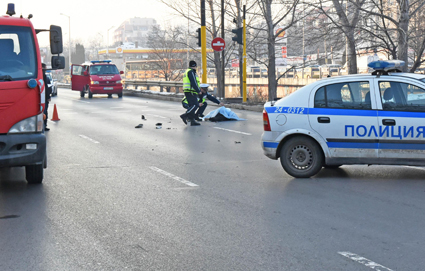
[(239, 35), (199, 37)]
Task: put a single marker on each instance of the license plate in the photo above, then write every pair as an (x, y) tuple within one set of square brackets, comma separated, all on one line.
[(109, 88)]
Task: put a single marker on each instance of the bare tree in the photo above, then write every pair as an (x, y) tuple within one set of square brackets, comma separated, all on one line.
[(190, 9), (284, 12), (167, 46), (417, 37), (388, 28), (94, 44), (345, 15)]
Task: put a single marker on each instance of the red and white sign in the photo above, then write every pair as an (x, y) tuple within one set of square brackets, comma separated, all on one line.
[(235, 63), (218, 44), (284, 52)]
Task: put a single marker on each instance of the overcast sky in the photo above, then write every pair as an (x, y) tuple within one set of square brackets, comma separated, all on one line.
[(89, 17)]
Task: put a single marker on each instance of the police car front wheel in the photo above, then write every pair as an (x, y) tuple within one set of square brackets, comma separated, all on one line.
[(301, 157)]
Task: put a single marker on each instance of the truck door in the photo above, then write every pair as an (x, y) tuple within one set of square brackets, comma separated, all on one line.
[(78, 79)]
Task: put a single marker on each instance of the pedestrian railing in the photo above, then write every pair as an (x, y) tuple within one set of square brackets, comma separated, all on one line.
[(149, 83)]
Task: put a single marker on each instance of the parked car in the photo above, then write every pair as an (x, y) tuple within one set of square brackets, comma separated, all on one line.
[(53, 84)]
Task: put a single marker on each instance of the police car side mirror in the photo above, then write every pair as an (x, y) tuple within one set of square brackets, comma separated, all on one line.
[(58, 62), (121, 72)]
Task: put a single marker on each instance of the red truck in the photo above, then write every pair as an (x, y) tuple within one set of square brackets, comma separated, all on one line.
[(96, 77), (22, 96)]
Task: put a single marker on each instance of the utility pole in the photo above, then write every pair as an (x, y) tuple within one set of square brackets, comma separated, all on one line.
[(204, 43), (244, 54), (222, 92)]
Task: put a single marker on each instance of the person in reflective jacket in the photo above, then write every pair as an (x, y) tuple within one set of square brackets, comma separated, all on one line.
[(191, 90), (202, 96)]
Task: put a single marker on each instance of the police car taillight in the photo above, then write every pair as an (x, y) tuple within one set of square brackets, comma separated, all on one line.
[(266, 121), (386, 65)]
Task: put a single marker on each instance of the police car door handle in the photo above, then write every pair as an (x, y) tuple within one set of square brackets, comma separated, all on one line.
[(388, 122), (324, 120)]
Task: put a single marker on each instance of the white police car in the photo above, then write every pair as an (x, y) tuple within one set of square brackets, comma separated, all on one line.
[(354, 119)]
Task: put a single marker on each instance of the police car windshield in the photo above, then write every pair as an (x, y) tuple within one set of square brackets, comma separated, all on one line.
[(18, 59), (103, 69)]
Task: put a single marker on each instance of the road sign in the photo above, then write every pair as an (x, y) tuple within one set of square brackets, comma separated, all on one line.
[(218, 44)]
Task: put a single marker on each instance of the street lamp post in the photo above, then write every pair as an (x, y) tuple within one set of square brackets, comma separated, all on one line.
[(69, 23), (107, 43)]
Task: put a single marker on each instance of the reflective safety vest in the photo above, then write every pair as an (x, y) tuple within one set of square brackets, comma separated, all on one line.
[(184, 100), (186, 83)]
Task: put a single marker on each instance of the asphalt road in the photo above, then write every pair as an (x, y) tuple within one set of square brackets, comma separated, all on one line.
[(115, 197)]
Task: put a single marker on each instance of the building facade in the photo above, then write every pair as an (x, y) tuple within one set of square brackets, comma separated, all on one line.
[(133, 31)]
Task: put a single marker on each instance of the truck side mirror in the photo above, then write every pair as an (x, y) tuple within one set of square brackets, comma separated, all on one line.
[(58, 62), (56, 44)]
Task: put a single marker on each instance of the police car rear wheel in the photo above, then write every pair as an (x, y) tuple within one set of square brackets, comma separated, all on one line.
[(301, 157)]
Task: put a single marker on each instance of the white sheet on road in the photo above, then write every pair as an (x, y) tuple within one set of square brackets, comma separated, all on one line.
[(226, 112)]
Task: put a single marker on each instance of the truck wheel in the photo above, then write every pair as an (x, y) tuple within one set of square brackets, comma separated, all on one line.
[(301, 157), (34, 174), (90, 94), (120, 95)]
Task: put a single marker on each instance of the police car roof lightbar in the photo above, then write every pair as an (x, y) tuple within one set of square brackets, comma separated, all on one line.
[(385, 66), (100, 61)]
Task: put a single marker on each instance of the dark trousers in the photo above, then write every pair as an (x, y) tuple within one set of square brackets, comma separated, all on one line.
[(192, 101), (200, 111), (46, 106)]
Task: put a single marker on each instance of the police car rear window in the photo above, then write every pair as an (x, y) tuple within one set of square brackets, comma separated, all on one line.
[(351, 95)]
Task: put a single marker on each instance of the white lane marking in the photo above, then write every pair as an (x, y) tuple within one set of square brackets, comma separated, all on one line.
[(233, 131), (158, 116), (421, 168), (54, 122), (163, 172), (89, 139), (364, 261)]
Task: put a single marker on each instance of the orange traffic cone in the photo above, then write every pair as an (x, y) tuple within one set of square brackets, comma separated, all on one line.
[(55, 114)]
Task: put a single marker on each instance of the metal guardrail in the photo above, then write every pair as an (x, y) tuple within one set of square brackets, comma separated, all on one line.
[(149, 83)]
